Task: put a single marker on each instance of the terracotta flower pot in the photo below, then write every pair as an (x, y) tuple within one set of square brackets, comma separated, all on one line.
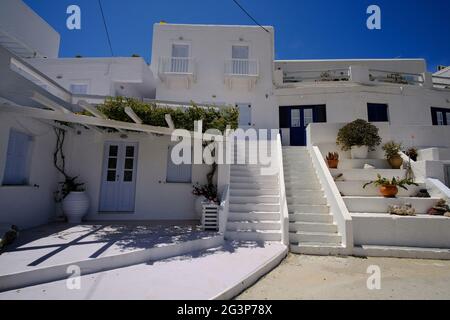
[(333, 164), (389, 191), (396, 162)]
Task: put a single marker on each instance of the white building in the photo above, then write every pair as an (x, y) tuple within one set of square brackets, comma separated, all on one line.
[(129, 174)]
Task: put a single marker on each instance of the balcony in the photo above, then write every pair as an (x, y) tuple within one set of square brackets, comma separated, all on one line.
[(312, 76), (441, 82), (177, 69), (383, 76), (241, 71)]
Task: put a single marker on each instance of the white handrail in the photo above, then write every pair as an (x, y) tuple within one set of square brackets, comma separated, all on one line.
[(224, 209), (284, 212), (242, 67), (337, 204)]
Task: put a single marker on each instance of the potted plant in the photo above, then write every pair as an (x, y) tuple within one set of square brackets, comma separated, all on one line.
[(359, 137), (205, 193), (333, 160), (412, 153), (392, 154), (389, 187), (75, 202)]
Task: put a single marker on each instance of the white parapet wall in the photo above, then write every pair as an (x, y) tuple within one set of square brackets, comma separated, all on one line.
[(284, 212)]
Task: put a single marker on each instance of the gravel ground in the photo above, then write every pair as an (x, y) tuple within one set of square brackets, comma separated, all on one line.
[(313, 277)]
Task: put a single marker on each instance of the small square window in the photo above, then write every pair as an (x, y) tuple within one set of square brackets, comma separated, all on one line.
[(128, 176), (79, 88), (111, 176), (377, 112), (130, 152), (113, 151)]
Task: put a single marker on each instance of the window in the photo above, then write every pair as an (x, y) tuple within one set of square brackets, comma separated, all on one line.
[(177, 173), (377, 112), (440, 116), (307, 117), (17, 159), (180, 61), (295, 118), (240, 56), (79, 88)]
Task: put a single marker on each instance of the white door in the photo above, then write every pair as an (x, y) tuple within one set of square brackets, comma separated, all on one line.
[(245, 115), (119, 177)]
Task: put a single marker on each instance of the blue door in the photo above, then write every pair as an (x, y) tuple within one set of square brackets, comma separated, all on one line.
[(297, 119)]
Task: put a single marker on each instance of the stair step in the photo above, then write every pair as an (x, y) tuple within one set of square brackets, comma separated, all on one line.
[(366, 174), (254, 185), (251, 207), (256, 215), (238, 199), (308, 185), (311, 217), (250, 179), (299, 208), (321, 237), (313, 227), (254, 192), (252, 225), (318, 199), (317, 248), (253, 235)]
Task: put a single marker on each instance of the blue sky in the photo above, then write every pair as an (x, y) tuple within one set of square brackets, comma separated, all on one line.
[(304, 29)]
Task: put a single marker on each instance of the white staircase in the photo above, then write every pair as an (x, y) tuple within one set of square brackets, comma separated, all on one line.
[(254, 211), (312, 229)]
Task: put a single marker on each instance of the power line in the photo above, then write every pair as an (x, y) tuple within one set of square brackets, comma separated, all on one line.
[(106, 27), (250, 16)]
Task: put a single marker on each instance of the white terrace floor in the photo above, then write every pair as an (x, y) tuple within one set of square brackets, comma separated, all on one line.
[(190, 264)]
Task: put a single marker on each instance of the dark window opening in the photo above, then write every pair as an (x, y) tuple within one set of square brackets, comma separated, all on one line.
[(377, 112)]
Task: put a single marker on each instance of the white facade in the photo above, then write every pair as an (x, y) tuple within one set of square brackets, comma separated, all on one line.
[(213, 73), (121, 76), (26, 33)]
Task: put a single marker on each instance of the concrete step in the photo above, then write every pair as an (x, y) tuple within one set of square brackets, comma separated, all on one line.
[(317, 199), (313, 227), (355, 188), (402, 252), (380, 204), (251, 225), (253, 235), (253, 199), (303, 185), (292, 192), (251, 207), (359, 163), (250, 179), (255, 216), (311, 217), (254, 192), (319, 249), (254, 185), (299, 237), (298, 208), (366, 174)]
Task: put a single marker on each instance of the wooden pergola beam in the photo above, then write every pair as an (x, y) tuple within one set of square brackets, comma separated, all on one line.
[(133, 116), (39, 98)]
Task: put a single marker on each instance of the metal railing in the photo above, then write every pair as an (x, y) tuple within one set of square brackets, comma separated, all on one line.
[(176, 65), (393, 77), (242, 67), (317, 75)]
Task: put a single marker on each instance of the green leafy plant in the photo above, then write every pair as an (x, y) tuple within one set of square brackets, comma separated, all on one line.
[(392, 149), (397, 182), (183, 118), (209, 191), (358, 133)]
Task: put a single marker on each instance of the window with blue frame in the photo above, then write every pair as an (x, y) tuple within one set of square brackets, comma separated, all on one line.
[(181, 173), (17, 159), (377, 112)]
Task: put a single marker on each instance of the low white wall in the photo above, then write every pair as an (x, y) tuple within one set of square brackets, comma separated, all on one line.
[(421, 231), (284, 211), (29, 206), (155, 199)]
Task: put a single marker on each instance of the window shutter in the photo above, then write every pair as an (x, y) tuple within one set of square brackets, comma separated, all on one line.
[(16, 169), (178, 173)]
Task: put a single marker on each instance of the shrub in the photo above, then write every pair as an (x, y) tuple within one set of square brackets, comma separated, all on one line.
[(392, 149), (183, 118), (358, 133)]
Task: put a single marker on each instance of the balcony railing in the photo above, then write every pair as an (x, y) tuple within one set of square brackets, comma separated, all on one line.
[(441, 82), (176, 66), (316, 76), (242, 67), (395, 77)]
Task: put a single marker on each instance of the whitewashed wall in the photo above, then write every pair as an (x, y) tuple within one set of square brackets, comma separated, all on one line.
[(22, 23), (28, 206), (211, 46), (155, 199), (104, 76)]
